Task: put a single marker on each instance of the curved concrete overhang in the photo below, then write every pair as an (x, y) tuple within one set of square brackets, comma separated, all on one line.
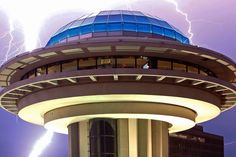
[(35, 98), (179, 118), (15, 68), (12, 96)]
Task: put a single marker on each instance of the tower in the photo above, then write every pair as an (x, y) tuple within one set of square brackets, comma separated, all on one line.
[(118, 82)]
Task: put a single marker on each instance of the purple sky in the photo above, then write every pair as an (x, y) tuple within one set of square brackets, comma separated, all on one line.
[(214, 27)]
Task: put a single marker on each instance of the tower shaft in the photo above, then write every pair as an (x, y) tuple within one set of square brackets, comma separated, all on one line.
[(127, 138)]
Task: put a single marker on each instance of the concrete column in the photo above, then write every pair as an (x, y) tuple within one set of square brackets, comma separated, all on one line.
[(144, 138), (84, 138), (122, 138), (133, 138), (73, 140), (78, 134), (159, 139)]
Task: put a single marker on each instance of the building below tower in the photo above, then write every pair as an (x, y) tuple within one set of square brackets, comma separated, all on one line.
[(196, 143)]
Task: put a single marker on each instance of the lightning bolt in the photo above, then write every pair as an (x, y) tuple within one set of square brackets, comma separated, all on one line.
[(41, 144), (11, 38), (175, 3), (12, 48)]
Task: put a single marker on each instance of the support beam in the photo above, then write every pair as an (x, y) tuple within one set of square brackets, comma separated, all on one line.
[(93, 78), (230, 97), (9, 106), (36, 86), (115, 77), (228, 93), (139, 77), (230, 101), (179, 80), (72, 80), (10, 98), (17, 94), (8, 101), (195, 83), (221, 89), (24, 90), (54, 83), (211, 86), (160, 78)]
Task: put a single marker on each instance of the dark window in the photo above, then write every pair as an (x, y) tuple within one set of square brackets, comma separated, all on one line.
[(87, 63), (102, 138), (126, 62), (144, 62), (179, 67), (54, 68), (164, 65), (69, 65)]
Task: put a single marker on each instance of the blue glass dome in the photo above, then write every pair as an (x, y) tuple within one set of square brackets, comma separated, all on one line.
[(116, 22)]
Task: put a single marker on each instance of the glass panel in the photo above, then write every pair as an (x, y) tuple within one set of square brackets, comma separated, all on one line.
[(179, 37), (113, 12), (114, 27), (130, 27), (138, 13), (102, 139), (54, 68), (109, 144), (68, 26), (61, 36), (157, 30), (141, 61), (127, 12), (41, 71), (86, 29), (115, 18), (169, 33), (192, 69), (101, 19), (125, 62), (100, 28), (106, 62), (69, 66), (165, 24), (76, 23), (155, 22), (142, 19), (87, 63), (152, 62), (185, 40), (164, 65), (88, 21), (179, 67), (104, 13), (60, 30), (144, 28), (129, 18), (74, 32)]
